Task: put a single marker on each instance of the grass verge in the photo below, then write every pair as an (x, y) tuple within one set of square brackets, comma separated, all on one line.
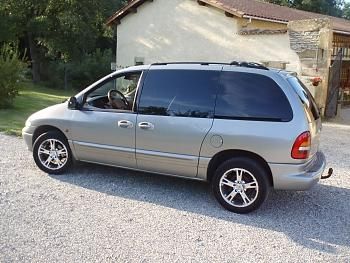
[(31, 98)]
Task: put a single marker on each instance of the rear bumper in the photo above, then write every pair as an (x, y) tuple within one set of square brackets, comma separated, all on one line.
[(298, 176)]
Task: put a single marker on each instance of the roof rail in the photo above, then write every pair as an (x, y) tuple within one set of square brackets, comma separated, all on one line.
[(248, 65), (233, 63), (189, 63)]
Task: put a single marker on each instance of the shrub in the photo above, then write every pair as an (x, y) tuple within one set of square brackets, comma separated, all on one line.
[(11, 74)]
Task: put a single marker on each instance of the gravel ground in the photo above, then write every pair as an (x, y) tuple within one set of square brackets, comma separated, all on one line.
[(96, 213)]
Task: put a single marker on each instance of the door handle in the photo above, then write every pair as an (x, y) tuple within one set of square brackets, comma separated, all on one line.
[(125, 124), (146, 126)]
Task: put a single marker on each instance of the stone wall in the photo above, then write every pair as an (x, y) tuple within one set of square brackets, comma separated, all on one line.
[(304, 40), (312, 41)]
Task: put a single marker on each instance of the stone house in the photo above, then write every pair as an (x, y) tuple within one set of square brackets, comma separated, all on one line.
[(149, 31)]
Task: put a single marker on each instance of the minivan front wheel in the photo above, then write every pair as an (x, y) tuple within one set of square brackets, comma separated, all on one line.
[(51, 153), (240, 185)]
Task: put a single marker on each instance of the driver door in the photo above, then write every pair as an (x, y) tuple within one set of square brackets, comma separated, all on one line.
[(103, 134)]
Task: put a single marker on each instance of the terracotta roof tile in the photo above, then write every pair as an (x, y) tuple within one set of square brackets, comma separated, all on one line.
[(261, 9)]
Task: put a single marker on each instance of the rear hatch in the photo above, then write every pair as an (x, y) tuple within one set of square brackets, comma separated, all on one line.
[(311, 111)]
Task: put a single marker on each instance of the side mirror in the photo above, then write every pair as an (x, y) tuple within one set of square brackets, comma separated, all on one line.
[(73, 103)]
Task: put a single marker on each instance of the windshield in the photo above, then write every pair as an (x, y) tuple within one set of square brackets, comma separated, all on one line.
[(306, 97)]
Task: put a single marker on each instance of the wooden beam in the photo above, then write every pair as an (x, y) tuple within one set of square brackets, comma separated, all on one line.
[(201, 3), (215, 4), (228, 14)]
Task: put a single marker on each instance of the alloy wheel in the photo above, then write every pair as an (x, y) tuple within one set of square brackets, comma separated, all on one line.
[(239, 187), (53, 154)]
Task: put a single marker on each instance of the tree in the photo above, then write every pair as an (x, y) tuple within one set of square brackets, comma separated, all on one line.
[(7, 32), (346, 11), (57, 29), (327, 7)]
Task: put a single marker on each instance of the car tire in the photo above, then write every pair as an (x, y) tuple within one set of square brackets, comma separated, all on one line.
[(240, 185), (52, 153)]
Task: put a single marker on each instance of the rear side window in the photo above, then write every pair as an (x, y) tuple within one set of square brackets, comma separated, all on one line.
[(306, 98), (250, 96), (180, 93)]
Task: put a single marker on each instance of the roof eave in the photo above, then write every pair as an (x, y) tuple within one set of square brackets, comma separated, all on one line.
[(222, 7), (129, 8), (341, 32)]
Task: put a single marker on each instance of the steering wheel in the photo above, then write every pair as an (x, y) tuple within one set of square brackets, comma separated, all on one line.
[(113, 94)]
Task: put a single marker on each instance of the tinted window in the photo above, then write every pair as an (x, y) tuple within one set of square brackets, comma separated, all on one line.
[(183, 93), (306, 97), (251, 96)]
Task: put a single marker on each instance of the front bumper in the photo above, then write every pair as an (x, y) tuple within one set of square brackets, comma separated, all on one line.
[(27, 134), (298, 176)]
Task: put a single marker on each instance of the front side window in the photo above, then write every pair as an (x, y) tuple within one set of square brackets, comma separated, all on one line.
[(179, 93), (116, 93), (252, 97)]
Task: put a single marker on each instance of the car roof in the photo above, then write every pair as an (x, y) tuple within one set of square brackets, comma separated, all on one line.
[(240, 66)]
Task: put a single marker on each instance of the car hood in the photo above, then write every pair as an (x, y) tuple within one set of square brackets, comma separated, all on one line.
[(50, 115)]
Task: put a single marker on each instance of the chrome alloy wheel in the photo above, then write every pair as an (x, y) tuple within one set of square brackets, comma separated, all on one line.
[(53, 154), (239, 187)]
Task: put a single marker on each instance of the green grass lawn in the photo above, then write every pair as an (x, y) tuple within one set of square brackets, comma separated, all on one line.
[(30, 99)]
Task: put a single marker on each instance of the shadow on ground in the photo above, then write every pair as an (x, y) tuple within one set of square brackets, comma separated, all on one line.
[(322, 213), (343, 117)]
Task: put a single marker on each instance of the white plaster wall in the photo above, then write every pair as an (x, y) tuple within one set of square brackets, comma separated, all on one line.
[(182, 30)]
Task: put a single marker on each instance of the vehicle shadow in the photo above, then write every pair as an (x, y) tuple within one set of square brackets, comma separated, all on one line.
[(317, 219)]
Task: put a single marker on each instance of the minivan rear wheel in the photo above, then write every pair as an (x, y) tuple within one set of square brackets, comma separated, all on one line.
[(240, 185), (51, 153)]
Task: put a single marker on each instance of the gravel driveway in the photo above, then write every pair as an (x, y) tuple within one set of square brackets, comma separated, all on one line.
[(96, 213)]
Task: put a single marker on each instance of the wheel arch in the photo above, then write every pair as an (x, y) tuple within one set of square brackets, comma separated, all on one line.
[(43, 129), (223, 156)]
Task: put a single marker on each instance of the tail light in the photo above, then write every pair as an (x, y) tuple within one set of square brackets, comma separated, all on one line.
[(302, 146)]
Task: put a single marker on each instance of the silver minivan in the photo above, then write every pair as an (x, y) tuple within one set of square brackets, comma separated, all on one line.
[(240, 126)]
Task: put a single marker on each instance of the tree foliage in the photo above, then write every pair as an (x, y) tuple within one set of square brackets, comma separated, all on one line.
[(78, 75), (327, 7), (346, 11), (57, 30)]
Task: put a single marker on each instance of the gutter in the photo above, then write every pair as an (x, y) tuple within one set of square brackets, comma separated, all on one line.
[(265, 19)]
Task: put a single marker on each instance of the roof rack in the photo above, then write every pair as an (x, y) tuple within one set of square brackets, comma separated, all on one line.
[(189, 63), (233, 63), (248, 65)]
